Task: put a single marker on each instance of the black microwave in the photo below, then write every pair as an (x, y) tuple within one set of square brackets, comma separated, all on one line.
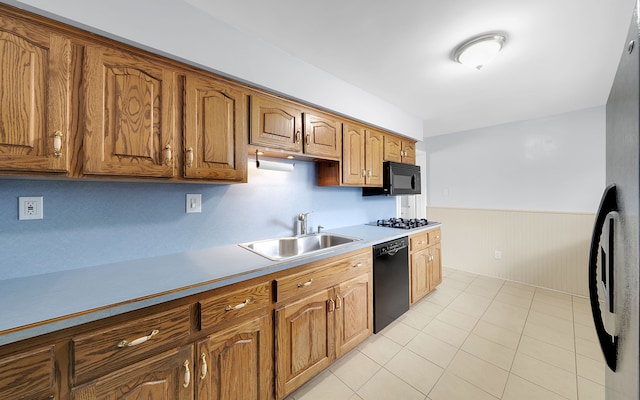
[(398, 179)]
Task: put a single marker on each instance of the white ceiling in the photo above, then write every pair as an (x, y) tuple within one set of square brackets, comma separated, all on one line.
[(560, 55)]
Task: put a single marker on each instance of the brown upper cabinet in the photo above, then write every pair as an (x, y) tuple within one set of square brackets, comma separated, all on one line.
[(275, 124), (399, 150), (214, 132), (280, 125), (130, 114), (322, 136), (34, 98), (76, 105), (362, 153)]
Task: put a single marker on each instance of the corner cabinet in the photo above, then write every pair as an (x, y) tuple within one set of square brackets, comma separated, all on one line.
[(35, 98), (425, 266), (130, 114), (318, 318), (214, 130)]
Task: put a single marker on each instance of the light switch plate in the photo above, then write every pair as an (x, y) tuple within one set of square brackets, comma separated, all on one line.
[(194, 203), (30, 208)]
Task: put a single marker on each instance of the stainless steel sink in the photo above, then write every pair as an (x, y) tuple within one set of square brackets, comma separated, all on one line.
[(293, 246)]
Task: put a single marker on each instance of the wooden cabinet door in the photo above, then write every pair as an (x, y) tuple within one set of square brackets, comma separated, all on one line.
[(354, 313), (215, 143), (166, 376), (353, 156), (420, 274), (373, 155), (435, 267), (304, 340), (392, 148), (34, 98), (130, 122), (408, 152), (322, 136), (276, 124), (237, 363), (29, 375)]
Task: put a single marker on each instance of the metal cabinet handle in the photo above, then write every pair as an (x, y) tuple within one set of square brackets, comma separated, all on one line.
[(126, 343), (308, 139), (189, 157), (298, 136), (358, 265), (307, 283), (203, 367), (168, 154), (364, 173), (187, 374), (338, 302), (57, 144), (238, 306), (370, 173)]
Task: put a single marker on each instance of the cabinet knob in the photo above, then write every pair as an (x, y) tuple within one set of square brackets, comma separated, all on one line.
[(168, 155), (57, 144), (189, 157)]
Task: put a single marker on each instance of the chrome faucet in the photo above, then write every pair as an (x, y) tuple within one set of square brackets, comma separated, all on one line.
[(302, 217)]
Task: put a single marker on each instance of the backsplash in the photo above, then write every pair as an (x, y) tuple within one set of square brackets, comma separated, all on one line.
[(92, 223)]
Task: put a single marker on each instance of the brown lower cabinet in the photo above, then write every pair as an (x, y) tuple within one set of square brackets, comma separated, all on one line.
[(221, 344), (425, 266), (237, 363), (321, 314), (165, 376)]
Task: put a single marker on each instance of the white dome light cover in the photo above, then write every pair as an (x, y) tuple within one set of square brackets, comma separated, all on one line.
[(480, 50)]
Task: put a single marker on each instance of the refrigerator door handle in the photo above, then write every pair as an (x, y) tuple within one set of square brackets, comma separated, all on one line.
[(608, 343)]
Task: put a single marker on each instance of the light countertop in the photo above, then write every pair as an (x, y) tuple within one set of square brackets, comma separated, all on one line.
[(45, 303)]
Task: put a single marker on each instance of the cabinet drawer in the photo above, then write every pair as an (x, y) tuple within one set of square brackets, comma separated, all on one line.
[(27, 375), (434, 236), (419, 241), (323, 276), (234, 304), (105, 350)]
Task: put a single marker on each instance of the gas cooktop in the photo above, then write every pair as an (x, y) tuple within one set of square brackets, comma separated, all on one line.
[(402, 223)]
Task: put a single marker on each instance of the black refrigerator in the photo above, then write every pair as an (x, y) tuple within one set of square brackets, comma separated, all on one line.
[(613, 258)]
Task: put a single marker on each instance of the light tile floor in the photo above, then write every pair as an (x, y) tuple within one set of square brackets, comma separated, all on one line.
[(477, 338)]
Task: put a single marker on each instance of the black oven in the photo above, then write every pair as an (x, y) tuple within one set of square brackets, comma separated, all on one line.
[(398, 180)]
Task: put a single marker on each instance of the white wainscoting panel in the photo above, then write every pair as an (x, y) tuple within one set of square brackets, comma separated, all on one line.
[(546, 249)]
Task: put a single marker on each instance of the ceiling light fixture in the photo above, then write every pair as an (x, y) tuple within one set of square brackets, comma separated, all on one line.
[(480, 50)]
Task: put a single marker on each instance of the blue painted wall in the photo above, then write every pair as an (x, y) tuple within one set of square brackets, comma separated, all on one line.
[(92, 223)]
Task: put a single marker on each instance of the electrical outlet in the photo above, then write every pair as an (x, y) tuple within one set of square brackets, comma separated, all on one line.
[(497, 255), (194, 203), (30, 208)]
